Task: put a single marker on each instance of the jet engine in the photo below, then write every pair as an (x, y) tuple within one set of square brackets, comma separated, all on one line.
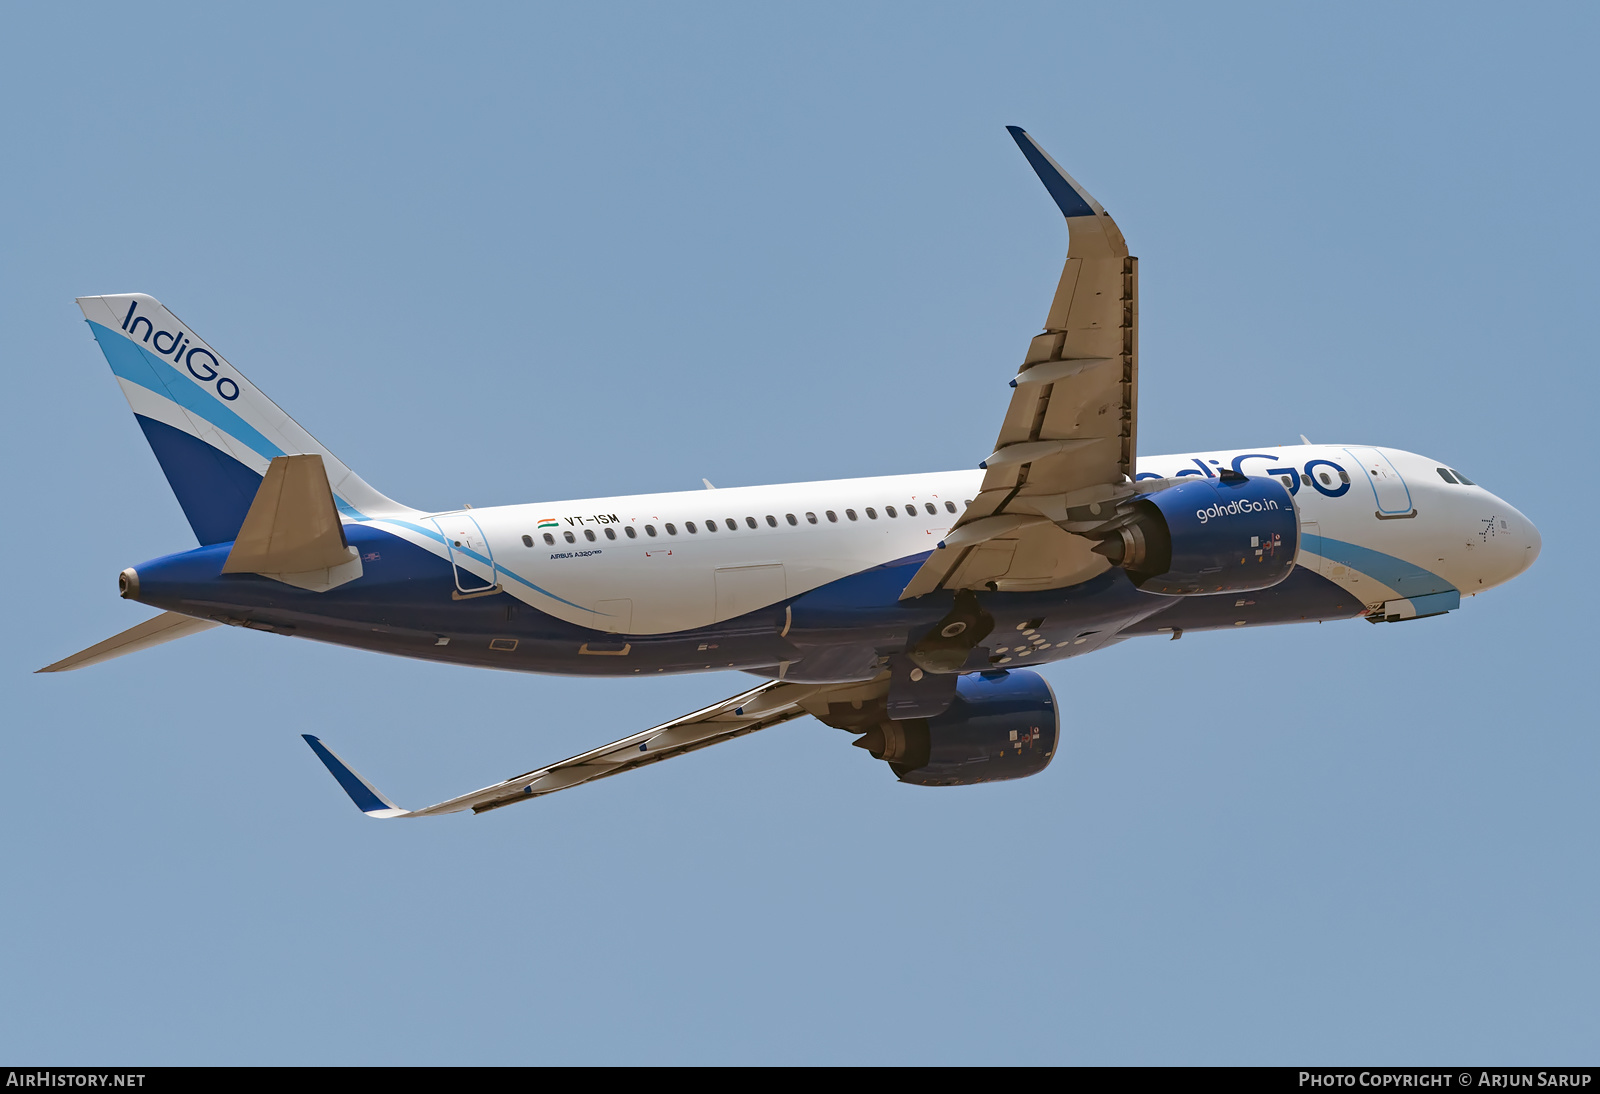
[(1002, 725), (1222, 535)]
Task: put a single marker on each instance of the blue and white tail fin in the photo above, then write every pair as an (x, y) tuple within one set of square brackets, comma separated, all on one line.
[(211, 429)]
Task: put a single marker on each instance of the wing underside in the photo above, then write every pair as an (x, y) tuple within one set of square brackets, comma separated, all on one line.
[(762, 707), (1067, 445)]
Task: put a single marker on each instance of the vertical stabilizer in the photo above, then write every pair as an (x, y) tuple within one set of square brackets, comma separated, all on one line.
[(212, 430)]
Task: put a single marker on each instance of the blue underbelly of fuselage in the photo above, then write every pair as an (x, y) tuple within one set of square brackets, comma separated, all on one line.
[(402, 604)]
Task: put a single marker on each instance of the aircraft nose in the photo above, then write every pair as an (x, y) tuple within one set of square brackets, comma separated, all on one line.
[(1533, 543), (1522, 546)]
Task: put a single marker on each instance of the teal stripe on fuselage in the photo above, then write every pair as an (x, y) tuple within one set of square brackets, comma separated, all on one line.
[(493, 566), (1404, 577)]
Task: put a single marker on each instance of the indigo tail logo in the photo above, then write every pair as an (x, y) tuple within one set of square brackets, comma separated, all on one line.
[(205, 369)]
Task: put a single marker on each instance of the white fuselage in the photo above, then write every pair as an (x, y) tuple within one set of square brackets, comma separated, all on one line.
[(650, 564)]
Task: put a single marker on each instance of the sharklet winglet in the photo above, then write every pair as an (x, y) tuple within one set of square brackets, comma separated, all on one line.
[(1073, 200), (363, 793)]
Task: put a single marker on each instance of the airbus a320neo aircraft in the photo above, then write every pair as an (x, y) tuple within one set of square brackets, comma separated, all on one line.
[(908, 611)]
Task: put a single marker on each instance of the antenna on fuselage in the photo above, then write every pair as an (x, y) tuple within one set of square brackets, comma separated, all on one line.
[(1305, 439)]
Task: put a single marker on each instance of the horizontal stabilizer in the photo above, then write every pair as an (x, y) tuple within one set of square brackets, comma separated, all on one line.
[(292, 525), (363, 793), (152, 632)]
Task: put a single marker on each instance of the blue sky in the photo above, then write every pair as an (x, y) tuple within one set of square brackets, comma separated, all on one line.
[(496, 254)]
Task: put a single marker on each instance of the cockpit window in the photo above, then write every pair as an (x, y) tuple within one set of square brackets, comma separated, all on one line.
[(1462, 479), (1446, 476)]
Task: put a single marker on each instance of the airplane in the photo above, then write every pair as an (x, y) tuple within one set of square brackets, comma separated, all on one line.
[(911, 611)]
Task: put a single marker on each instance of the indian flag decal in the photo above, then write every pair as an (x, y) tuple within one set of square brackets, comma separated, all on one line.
[(549, 524)]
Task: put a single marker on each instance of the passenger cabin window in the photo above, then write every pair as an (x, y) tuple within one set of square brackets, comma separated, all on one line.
[(928, 505), (711, 525), (650, 530), (950, 506), (790, 518), (889, 509), (851, 513), (588, 534), (733, 525), (671, 529), (688, 526), (611, 533), (1446, 476), (811, 518), (569, 537), (872, 514), (1462, 479), (772, 521), (1327, 479), (527, 541), (750, 522), (628, 531), (833, 518), (549, 539)]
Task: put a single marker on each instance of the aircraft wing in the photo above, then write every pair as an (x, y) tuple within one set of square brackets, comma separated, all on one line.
[(1067, 444), (770, 704)]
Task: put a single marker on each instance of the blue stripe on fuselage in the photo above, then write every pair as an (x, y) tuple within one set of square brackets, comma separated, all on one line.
[(402, 602), (494, 566), (1402, 576)]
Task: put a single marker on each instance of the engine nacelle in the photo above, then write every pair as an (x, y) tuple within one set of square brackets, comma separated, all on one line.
[(1002, 725), (1223, 535)]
